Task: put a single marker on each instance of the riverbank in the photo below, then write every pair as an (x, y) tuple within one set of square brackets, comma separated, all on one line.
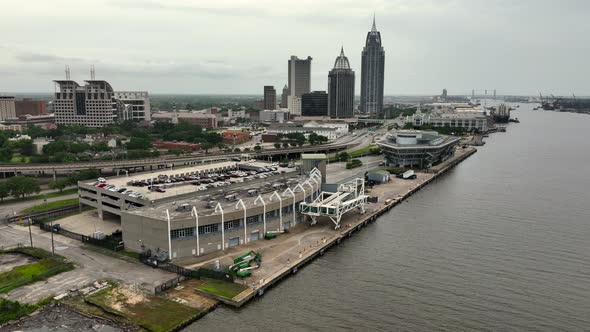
[(305, 243)]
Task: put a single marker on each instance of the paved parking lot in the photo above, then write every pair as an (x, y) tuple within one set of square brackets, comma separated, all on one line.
[(87, 223)]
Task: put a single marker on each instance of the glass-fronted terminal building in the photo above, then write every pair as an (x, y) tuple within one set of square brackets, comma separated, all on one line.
[(416, 148)]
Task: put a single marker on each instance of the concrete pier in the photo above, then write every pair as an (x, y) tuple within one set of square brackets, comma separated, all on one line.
[(308, 244)]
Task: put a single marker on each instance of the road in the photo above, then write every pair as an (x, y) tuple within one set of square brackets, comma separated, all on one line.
[(90, 266), (337, 172), (162, 162)]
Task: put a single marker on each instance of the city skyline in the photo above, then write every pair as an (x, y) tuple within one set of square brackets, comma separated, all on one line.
[(431, 45)]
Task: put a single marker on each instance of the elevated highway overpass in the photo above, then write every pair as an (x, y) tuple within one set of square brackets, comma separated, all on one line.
[(162, 162)]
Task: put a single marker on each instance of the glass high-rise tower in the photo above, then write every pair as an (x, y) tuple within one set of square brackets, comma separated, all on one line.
[(341, 88), (372, 74)]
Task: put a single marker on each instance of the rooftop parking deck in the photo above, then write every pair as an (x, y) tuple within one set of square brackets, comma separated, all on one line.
[(229, 196), (168, 183)]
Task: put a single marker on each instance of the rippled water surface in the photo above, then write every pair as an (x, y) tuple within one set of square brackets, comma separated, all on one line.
[(500, 243)]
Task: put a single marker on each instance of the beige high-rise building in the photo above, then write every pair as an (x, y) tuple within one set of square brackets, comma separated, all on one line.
[(270, 97), (137, 105), (7, 108), (299, 82), (91, 105)]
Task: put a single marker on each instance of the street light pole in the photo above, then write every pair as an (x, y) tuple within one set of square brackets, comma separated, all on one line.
[(195, 213)]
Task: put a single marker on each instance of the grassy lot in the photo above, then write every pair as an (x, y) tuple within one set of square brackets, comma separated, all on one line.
[(51, 205), (18, 159), (42, 196), (222, 288), (355, 153), (151, 312), (42, 269), (11, 310), (360, 152)]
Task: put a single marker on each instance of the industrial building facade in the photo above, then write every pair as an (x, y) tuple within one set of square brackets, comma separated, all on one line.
[(204, 120), (466, 120), (222, 226)]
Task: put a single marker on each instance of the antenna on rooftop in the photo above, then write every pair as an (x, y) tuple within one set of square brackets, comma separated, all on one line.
[(67, 72), (92, 73)]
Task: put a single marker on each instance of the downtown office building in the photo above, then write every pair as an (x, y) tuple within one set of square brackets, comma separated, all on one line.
[(341, 88), (372, 74)]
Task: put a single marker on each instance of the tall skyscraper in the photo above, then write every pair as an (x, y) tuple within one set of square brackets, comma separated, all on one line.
[(314, 103), (270, 97), (341, 88), (299, 82), (284, 96), (372, 73)]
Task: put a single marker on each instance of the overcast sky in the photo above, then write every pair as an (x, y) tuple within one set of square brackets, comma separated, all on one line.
[(236, 47)]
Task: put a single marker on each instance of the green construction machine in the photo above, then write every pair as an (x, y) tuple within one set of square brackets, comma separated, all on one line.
[(244, 263)]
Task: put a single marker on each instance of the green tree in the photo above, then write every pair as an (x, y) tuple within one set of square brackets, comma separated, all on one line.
[(277, 145), (5, 154), (101, 147), (4, 191), (257, 148), (237, 150), (59, 185), (343, 156), (285, 144), (20, 186), (26, 147), (139, 143), (206, 146), (176, 151)]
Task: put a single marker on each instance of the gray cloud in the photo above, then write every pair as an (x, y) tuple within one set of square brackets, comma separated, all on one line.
[(44, 58), (184, 7), (237, 46)]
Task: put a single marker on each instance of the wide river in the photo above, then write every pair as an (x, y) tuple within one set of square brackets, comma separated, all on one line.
[(500, 243)]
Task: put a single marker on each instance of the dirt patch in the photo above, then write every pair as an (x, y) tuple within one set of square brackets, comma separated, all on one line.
[(57, 317), (11, 260), (124, 296), (154, 313), (187, 295)]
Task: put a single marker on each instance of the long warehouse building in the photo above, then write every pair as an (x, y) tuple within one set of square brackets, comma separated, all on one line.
[(209, 223)]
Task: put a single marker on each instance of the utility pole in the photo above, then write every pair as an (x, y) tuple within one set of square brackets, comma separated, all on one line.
[(51, 229), (30, 234)]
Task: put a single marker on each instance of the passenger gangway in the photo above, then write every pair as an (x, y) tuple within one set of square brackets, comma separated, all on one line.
[(350, 196)]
